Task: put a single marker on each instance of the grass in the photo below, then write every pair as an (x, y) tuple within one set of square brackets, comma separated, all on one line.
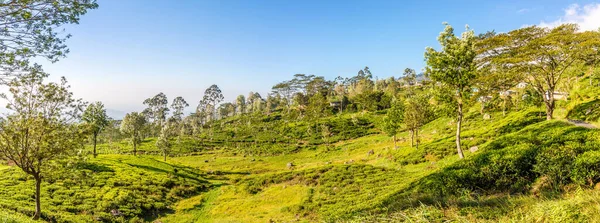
[(134, 187), (358, 179)]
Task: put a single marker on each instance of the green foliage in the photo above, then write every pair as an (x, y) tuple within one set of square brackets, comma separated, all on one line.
[(133, 125), (340, 191), (393, 118), (477, 131), (133, 187), (28, 29), (586, 168), (587, 111), (513, 162)]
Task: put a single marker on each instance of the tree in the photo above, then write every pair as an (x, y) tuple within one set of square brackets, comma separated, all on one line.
[(213, 96), (340, 90), (40, 128), (393, 119), (417, 113), (178, 105), (240, 101), (28, 29), (544, 55), (164, 145), (132, 126), (166, 133), (157, 110), (317, 106), (96, 119), (410, 76), (453, 67)]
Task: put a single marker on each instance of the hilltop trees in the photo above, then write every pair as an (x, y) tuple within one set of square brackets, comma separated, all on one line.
[(453, 67), (40, 128), (543, 55), (96, 119), (157, 111), (213, 96), (132, 126), (410, 76), (178, 105), (240, 102)]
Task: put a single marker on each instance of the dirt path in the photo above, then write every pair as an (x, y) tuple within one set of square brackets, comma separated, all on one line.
[(582, 124)]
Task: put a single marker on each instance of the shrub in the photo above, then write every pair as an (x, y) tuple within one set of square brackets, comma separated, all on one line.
[(586, 168)]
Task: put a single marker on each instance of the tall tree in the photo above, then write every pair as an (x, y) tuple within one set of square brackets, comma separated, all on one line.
[(163, 142), (341, 90), (417, 112), (410, 76), (29, 29), (213, 96), (96, 119), (454, 67), (40, 127), (178, 105), (240, 101), (544, 55), (157, 111), (132, 125), (393, 120)]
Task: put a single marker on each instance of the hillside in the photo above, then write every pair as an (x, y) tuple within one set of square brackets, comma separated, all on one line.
[(524, 168), (495, 127)]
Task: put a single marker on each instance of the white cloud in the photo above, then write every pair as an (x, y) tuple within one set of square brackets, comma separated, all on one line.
[(587, 17), (522, 11)]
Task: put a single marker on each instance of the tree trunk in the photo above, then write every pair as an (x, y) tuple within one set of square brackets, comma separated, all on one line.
[(134, 148), (504, 105), (95, 137), (394, 138), (458, 125), (417, 137), (38, 206), (482, 107), (549, 102), (412, 136)]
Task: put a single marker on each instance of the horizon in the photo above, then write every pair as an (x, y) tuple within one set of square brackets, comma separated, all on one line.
[(182, 48)]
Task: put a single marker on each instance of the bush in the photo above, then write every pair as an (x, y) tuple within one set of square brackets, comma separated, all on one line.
[(586, 168)]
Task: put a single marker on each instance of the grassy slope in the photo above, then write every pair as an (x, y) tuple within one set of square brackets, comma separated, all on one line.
[(322, 186), (135, 186), (338, 182)]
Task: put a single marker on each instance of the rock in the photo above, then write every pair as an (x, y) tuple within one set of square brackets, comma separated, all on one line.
[(290, 165), (349, 162), (471, 138), (371, 152), (474, 149), (487, 116), (253, 160), (115, 212), (327, 163), (434, 132)]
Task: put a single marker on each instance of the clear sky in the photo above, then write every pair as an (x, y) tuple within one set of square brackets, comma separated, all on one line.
[(129, 50)]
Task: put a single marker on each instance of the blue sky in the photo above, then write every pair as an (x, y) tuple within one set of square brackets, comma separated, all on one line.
[(129, 50)]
